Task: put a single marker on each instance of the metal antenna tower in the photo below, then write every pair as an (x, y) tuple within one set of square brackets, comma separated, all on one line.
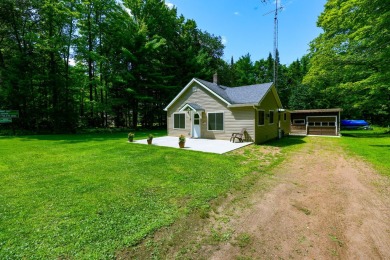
[(276, 37)]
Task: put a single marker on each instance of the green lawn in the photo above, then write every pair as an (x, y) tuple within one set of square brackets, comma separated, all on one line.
[(86, 196), (372, 145)]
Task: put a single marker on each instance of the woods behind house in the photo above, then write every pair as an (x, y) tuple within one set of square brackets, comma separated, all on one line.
[(99, 63)]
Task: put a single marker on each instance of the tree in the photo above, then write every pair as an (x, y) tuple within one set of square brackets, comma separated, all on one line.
[(245, 72), (130, 59), (36, 38), (349, 60), (264, 70)]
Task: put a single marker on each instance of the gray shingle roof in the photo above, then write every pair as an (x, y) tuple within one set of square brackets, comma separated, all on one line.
[(239, 95)]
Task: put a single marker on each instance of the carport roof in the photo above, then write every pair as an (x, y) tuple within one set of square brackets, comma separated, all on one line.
[(316, 110)]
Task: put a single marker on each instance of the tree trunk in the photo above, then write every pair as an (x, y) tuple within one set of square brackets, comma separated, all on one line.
[(90, 61)]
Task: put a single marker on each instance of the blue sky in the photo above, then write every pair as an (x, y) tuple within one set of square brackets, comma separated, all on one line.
[(245, 29)]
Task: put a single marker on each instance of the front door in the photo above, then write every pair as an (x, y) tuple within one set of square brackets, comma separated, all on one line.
[(196, 126)]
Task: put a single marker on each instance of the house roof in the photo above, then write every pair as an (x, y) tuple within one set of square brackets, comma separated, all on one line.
[(251, 94), (317, 110), (232, 96)]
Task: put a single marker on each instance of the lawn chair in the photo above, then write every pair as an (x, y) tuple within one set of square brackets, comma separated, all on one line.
[(240, 136)]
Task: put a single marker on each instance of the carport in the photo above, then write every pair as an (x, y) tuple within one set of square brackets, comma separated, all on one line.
[(324, 122)]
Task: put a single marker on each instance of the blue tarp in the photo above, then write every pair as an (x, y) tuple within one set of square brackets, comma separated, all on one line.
[(353, 123)]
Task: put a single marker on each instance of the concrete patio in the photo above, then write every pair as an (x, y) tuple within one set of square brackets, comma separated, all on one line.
[(202, 145)]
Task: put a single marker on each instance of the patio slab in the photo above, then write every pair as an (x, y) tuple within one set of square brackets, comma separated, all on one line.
[(202, 145)]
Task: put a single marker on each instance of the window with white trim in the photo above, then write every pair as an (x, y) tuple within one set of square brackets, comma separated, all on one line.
[(260, 117), (271, 117), (215, 121), (179, 121)]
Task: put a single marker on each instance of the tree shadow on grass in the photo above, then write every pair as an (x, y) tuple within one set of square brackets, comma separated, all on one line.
[(287, 141), (365, 134), (93, 137)]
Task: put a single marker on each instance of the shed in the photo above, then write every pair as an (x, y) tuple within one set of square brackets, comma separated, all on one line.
[(325, 122)]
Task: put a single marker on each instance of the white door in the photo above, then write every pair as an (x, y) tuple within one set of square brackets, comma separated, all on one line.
[(196, 126)]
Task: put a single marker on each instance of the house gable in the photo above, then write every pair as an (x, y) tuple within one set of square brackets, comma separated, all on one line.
[(272, 89), (196, 98), (198, 83)]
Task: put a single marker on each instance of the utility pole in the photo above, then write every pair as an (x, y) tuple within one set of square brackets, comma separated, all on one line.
[(276, 37)]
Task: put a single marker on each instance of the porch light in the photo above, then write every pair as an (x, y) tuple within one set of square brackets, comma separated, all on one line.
[(189, 111)]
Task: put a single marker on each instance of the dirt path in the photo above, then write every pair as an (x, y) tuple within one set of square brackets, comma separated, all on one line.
[(324, 206), (319, 204)]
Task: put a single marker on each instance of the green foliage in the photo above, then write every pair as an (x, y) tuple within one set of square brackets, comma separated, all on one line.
[(133, 58), (246, 72), (34, 70), (349, 63), (243, 239), (129, 64), (182, 139), (303, 97), (86, 196)]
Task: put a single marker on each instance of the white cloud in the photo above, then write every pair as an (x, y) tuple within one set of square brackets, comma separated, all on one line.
[(236, 13), (224, 40), (169, 4)]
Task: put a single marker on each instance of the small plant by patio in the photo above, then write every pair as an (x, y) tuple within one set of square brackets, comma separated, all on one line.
[(182, 141), (150, 139), (130, 137)]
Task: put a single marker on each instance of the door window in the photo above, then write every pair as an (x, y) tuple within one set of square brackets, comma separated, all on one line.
[(196, 119)]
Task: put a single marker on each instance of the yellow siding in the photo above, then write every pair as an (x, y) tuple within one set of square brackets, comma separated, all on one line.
[(267, 131), (234, 119), (285, 124)]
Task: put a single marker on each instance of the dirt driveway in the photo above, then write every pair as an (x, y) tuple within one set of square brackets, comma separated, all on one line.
[(325, 205), (319, 204)]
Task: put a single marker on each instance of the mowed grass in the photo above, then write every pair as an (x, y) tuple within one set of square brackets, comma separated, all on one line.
[(88, 196), (372, 145)]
